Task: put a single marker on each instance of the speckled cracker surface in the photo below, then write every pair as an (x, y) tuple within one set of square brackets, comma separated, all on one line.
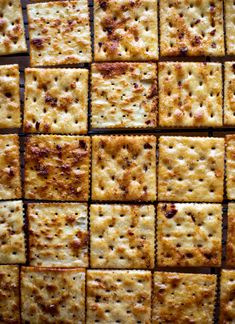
[(183, 298), (230, 166), (122, 236), (229, 26), (230, 248), (56, 101), (9, 292), (227, 298), (121, 296), (52, 295), (124, 95), (124, 168), (125, 30), (10, 183), (58, 235), (191, 27), (12, 240), (229, 96), (9, 96), (12, 38), (190, 94), (191, 169), (189, 235), (57, 167), (59, 33)]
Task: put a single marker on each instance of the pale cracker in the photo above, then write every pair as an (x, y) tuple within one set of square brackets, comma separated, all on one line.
[(124, 168), (229, 93), (12, 37), (10, 96), (229, 26), (122, 236), (50, 295), (230, 247), (10, 183), (183, 298), (9, 292), (56, 101), (191, 27), (190, 94), (189, 235), (124, 95), (125, 31), (191, 169), (227, 297), (58, 235), (59, 33), (230, 166), (12, 239), (57, 167), (118, 296)]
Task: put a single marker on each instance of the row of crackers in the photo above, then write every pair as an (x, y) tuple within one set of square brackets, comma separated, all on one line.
[(109, 296), (59, 31)]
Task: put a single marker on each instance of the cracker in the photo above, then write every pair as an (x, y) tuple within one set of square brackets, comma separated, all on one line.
[(190, 94), (191, 27), (230, 166), (230, 248), (124, 95), (12, 37), (59, 33), (183, 298), (118, 296), (52, 295), (56, 101), (10, 96), (125, 31), (58, 235), (10, 183), (229, 26), (9, 292), (229, 93), (189, 235), (124, 168), (12, 240), (227, 298), (122, 236), (191, 169), (57, 167)]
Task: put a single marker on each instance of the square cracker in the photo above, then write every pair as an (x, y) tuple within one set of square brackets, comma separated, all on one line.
[(56, 101), (59, 33), (10, 116), (229, 93), (125, 31), (57, 167), (191, 27), (52, 295), (118, 296), (12, 239), (9, 292), (10, 183), (58, 235), (124, 168), (122, 236), (230, 166), (229, 26), (230, 247), (124, 95), (191, 169), (190, 94), (183, 298), (12, 37), (189, 235), (227, 297)]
